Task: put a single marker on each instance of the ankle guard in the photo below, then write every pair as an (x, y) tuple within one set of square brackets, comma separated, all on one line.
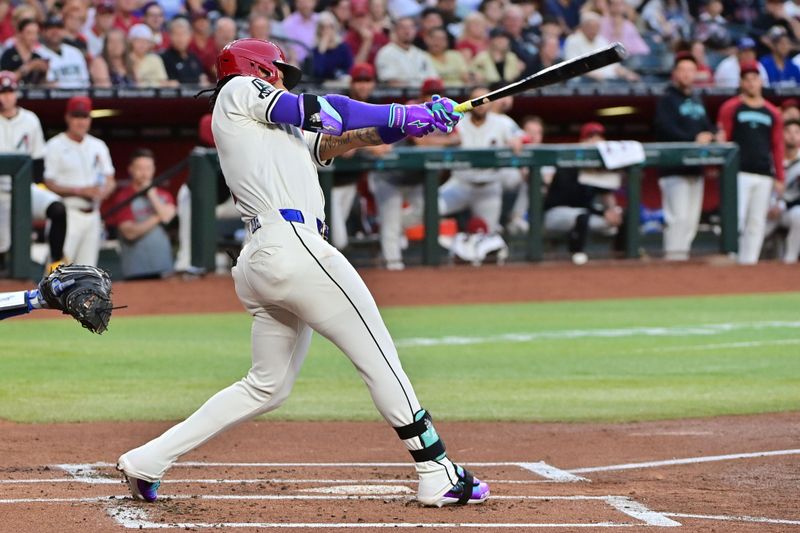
[(432, 446)]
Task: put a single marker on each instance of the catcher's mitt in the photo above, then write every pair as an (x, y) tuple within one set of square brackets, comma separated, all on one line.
[(81, 291)]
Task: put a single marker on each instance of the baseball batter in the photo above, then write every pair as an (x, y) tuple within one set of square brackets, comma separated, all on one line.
[(289, 278)]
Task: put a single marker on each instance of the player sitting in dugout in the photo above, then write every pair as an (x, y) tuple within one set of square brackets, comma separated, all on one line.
[(579, 201)]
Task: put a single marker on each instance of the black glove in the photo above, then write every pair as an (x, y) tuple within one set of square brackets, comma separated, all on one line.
[(81, 291)]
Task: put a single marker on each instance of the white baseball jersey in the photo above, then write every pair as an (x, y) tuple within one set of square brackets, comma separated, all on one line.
[(68, 68), (21, 134), (77, 164), (495, 132), (267, 166)]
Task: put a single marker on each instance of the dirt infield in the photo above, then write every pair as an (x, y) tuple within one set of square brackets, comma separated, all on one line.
[(723, 474)]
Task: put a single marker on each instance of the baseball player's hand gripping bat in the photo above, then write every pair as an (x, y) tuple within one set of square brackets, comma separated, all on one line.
[(578, 66)]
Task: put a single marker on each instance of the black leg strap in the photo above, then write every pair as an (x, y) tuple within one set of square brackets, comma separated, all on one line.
[(415, 429), (431, 453), (468, 481)]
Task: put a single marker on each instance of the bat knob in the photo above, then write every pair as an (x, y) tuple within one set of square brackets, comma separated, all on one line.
[(620, 50)]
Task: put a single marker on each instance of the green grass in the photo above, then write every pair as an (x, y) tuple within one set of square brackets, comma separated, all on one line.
[(163, 367)]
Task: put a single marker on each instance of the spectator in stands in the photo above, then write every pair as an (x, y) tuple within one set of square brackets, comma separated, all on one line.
[(790, 110), (774, 15), (202, 44), (179, 62), (301, 26), (77, 166), (450, 65), (146, 251), (727, 73), (331, 58), (68, 68), (681, 117), (549, 54), (616, 27), (781, 70), (22, 134), (523, 38), (172, 8), (792, 8), (574, 208), (269, 9), (566, 11), (6, 21), (705, 76), (475, 36), (448, 10), (550, 28), (712, 28), (380, 15), (113, 67), (757, 127), (497, 62), (365, 37), (431, 18), (492, 10), (154, 19), (400, 63), (22, 58), (342, 10), (258, 27), (667, 19), (74, 15), (147, 67), (586, 39), (479, 190), (125, 14), (103, 22), (785, 211)]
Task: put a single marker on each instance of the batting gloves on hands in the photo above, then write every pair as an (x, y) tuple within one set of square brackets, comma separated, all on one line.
[(415, 120), (444, 111)]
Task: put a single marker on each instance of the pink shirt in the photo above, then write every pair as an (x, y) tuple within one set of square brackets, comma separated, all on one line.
[(629, 36), (303, 30)]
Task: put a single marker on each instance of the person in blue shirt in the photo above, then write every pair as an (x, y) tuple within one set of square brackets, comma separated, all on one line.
[(781, 70)]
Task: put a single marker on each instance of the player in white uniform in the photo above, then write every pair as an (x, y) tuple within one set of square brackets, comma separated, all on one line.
[(288, 277), (481, 190), (21, 132), (78, 167)]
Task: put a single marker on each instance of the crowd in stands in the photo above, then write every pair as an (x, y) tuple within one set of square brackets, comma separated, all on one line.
[(156, 43)]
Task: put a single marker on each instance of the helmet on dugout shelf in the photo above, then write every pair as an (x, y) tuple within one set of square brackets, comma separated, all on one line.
[(256, 57)]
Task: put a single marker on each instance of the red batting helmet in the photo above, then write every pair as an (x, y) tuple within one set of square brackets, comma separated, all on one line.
[(256, 57)]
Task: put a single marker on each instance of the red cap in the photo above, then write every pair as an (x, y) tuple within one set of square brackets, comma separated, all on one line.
[(477, 225), (104, 7), (786, 104), (432, 86), (362, 72), (748, 68), (8, 81), (79, 106), (592, 128)]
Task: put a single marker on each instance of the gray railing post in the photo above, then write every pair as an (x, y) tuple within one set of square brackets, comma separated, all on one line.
[(431, 255), (728, 200), (534, 240), (634, 191), (21, 221)]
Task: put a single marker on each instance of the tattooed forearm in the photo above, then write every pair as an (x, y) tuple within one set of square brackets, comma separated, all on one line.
[(331, 146)]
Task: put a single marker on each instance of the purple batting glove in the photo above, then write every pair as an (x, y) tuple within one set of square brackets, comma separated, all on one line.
[(444, 111), (413, 120)]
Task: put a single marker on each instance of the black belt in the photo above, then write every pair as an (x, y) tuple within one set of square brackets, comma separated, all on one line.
[(291, 215)]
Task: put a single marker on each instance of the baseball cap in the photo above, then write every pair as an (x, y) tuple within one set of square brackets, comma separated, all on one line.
[(592, 128), (362, 72), (79, 106), (140, 31), (745, 43), (748, 67), (432, 86), (786, 104), (104, 7), (53, 21), (683, 56), (776, 32), (8, 81)]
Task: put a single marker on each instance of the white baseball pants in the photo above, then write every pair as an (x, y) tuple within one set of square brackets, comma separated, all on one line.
[(40, 201), (754, 192), (292, 281), (485, 200), (682, 202), (561, 219), (84, 233), (342, 199), (393, 220)]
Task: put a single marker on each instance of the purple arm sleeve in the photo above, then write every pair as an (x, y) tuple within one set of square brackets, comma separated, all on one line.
[(355, 115)]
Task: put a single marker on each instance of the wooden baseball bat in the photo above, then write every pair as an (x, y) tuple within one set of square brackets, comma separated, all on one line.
[(578, 66)]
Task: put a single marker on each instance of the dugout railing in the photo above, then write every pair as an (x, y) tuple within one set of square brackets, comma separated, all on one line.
[(204, 167)]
